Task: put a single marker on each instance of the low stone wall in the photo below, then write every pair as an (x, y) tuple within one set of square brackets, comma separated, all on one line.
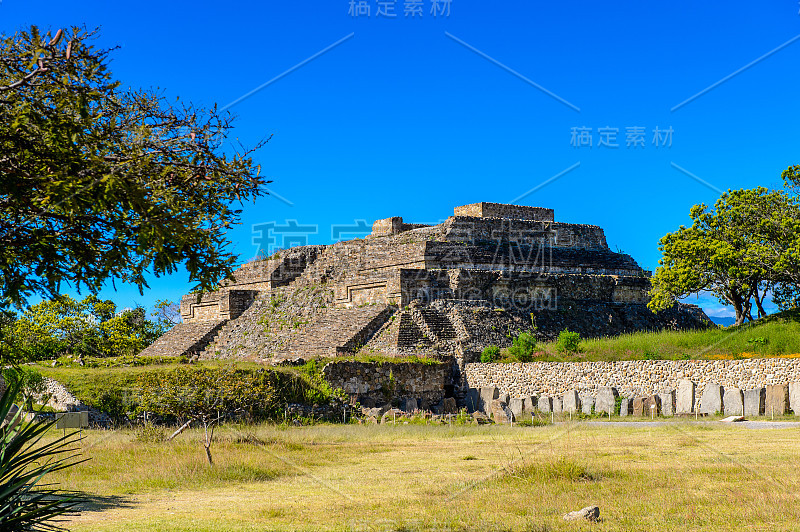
[(390, 381), (630, 378)]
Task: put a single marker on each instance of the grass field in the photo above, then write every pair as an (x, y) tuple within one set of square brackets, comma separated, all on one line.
[(681, 476)]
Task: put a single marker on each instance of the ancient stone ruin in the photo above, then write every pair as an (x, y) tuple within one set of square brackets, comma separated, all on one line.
[(481, 277)]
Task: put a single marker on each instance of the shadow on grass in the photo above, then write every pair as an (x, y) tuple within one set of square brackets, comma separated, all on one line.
[(90, 502)]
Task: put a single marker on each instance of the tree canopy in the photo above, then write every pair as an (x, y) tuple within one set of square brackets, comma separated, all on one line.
[(99, 182), (740, 250)]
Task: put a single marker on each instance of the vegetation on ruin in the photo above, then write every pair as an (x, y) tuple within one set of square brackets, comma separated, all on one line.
[(705, 476)]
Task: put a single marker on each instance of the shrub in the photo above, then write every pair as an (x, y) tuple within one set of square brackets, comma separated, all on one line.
[(568, 342), (522, 347), (490, 354)]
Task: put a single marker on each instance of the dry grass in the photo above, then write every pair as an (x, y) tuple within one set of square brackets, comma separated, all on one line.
[(677, 477)]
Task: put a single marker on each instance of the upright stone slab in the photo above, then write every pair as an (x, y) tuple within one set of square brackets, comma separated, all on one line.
[(651, 405), (667, 400), (606, 400), (473, 400), (501, 413), (733, 402), (794, 397), (711, 400), (544, 404), (572, 402), (754, 401), (487, 396), (558, 405), (638, 406), (625, 407), (516, 406), (684, 398), (587, 404), (529, 404), (777, 401), (449, 405), (410, 404)]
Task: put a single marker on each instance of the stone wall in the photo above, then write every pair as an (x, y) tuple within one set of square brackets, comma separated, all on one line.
[(219, 305), (630, 378), (427, 383), (500, 210)]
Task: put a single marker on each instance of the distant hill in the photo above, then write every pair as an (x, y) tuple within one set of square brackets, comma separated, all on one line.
[(723, 320)]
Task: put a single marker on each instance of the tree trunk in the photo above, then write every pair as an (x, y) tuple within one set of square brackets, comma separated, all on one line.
[(181, 429), (209, 439)]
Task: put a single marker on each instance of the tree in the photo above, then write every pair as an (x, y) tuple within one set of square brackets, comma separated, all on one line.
[(100, 182), (167, 313), (26, 503), (205, 395), (733, 251)]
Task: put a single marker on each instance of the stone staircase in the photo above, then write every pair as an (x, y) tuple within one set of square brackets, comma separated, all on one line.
[(232, 329), (184, 339)]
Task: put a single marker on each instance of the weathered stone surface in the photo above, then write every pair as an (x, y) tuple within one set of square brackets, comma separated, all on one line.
[(449, 406), (410, 404), (501, 414), (516, 406), (487, 396), (606, 400), (794, 397), (529, 404), (626, 407), (479, 418), (590, 513), (777, 400), (544, 404), (638, 406), (473, 400), (392, 415), (651, 405), (684, 399), (667, 400), (571, 402), (587, 404), (754, 401), (711, 400), (558, 405), (733, 402)]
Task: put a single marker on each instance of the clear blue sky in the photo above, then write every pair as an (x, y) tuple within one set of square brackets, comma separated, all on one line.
[(412, 116)]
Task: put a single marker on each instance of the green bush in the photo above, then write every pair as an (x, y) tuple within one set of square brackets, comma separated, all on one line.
[(490, 354), (568, 342), (523, 346)]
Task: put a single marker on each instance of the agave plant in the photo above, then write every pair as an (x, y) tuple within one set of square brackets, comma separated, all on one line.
[(26, 502)]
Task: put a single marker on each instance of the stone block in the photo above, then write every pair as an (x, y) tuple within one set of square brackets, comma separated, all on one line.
[(626, 407), (516, 406), (754, 401), (606, 400), (638, 406), (410, 404), (684, 398), (587, 404), (571, 401), (449, 405), (487, 396), (544, 404), (651, 405), (794, 397), (733, 402), (667, 400), (711, 400), (473, 400), (558, 405), (777, 400), (529, 404), (501, 414)]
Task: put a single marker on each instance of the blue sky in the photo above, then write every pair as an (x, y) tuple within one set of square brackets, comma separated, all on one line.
[(413, 115)]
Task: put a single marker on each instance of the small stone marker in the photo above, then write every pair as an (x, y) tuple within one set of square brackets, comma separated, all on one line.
[(733, 402), (544, 404), (473, 400), (590, 513), (794, 397), (626, 407), (754, 401), (777, 401), (587, 404), (487, 396), (711, 400), (516, 406), (449, 405), (684, 398), (410, 404), (501, 413), (651, 405), (606, 400), (558, 405), (638, 407), (529, 404), (572, 402), (667, 400)]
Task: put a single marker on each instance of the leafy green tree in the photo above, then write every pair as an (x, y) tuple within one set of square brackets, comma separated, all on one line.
[(568, 342), (103, 182), (523, 347), (732, 251), (207, 396)]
